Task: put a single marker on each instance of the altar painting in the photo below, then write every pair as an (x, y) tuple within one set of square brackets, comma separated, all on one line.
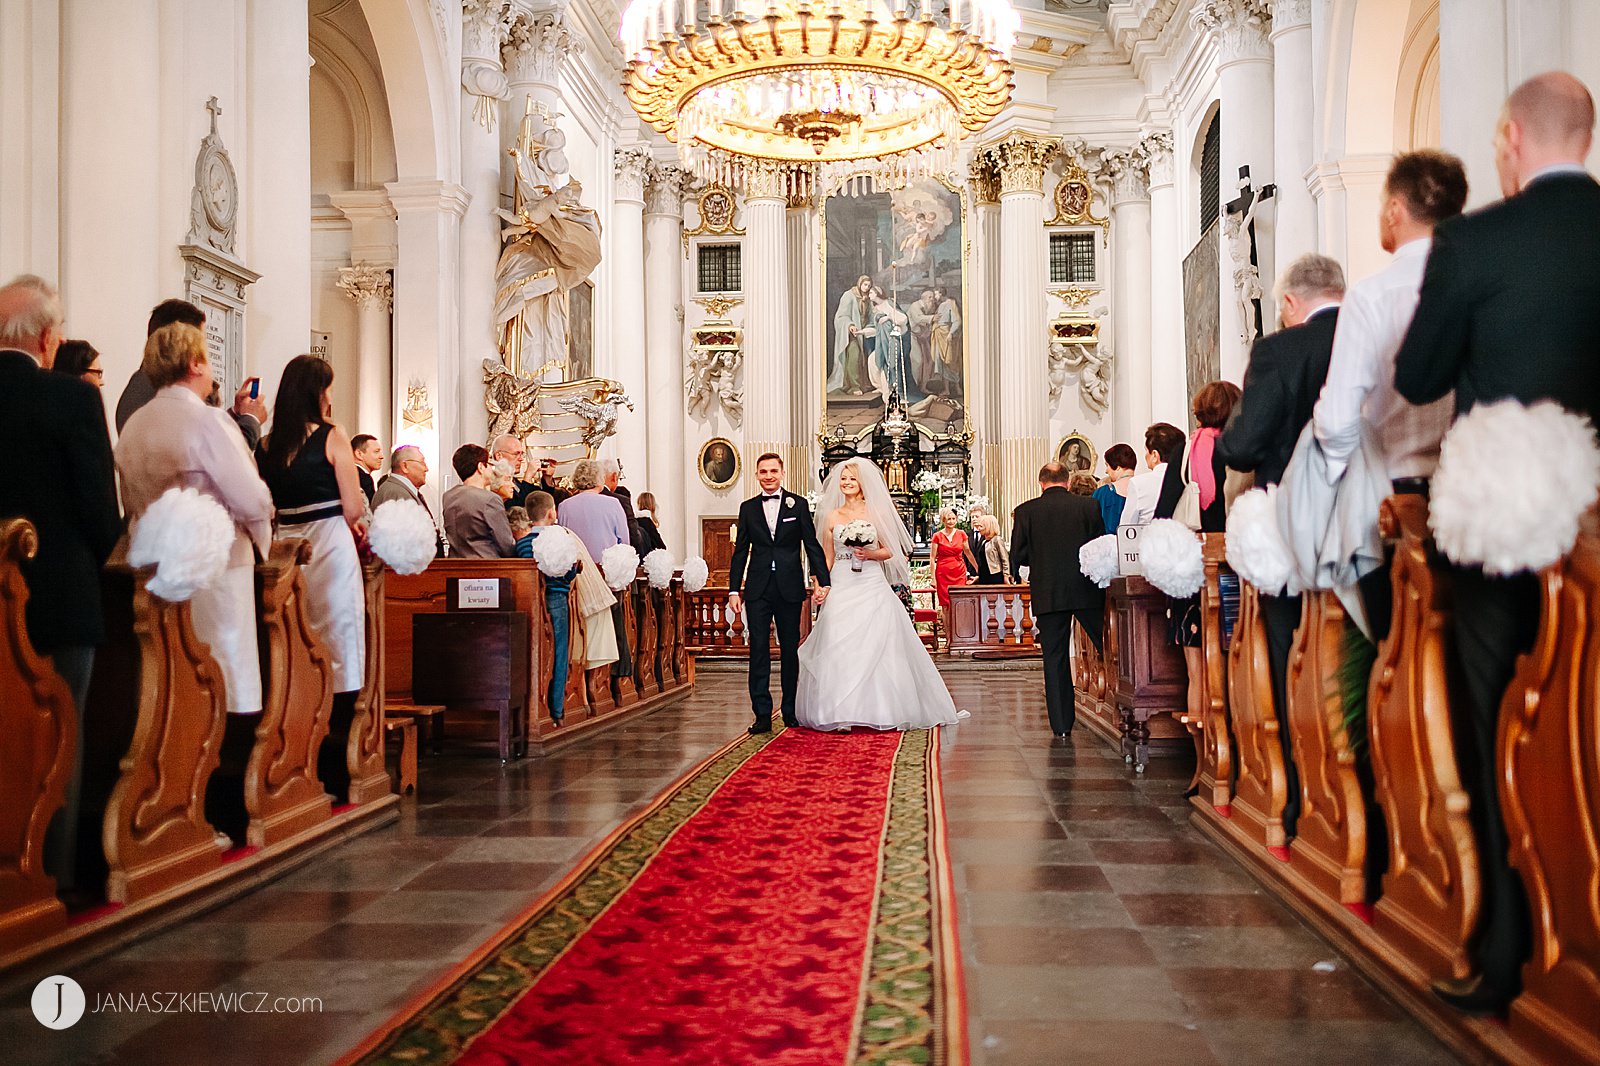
[(893, 307)]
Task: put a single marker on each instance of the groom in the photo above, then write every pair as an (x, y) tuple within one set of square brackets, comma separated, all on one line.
[(774, 528)]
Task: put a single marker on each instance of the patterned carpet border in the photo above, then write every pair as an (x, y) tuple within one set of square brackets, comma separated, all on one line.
[(912, 1010), (439, 1024)]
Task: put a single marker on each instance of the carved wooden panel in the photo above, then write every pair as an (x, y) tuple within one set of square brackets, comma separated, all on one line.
[(369, 778), (281, 788), (1214, 774), (1330, 844), (992, 620), (682, 663), (576, 704), (1549, 747), (157, 673), (624, 689), (39, 724), (1262, 787), (1431, 892), (716, 547), (1089, 682), (645, 646)]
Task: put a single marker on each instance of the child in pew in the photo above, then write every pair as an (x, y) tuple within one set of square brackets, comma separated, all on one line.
[(539, 515)]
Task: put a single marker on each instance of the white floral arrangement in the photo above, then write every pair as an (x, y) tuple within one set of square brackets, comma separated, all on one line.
[(927, 481), (1172, 559), (1532, 520), (620, 564), (1098, 560), (1255, 546), (187, 536), (403, 536), (658, 568), (858, 534), (555, 550), (812, 499), (695, 574)]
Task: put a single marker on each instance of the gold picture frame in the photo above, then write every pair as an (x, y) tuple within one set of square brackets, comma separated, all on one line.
[(719, 472), (1086, 459)]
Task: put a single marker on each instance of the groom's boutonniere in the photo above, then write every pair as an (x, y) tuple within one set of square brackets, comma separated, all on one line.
[(788, 503)]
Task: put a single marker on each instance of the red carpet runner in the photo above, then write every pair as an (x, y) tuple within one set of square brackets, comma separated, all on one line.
[(787, 903)]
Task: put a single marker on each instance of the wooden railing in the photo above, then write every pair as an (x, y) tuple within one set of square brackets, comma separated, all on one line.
[(1411, 919), (1214, 763), (992, 621), (712, 630), (153, 732)]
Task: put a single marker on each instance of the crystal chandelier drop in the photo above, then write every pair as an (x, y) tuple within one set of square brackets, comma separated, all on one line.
[(818, 90)]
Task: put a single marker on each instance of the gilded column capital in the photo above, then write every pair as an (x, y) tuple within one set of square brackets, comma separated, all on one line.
[(984, 179), (1239, 26), (1019, 160), (368, 285), (766, 179)]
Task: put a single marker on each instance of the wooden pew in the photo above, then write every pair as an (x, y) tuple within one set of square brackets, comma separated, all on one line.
[(1431, 892), (281, 788), (1549, 749), (647, 649), (625, 689), (1261, 789), (1090, 685), (369, 777), (39, 723), (1214, 773), (1146, 671), (1330, 844)]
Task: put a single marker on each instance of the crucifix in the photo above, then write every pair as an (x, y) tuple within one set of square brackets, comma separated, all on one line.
[(1239, 226), (216, 110)]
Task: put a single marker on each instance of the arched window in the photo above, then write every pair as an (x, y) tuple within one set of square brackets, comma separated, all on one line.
[(1210, 173)]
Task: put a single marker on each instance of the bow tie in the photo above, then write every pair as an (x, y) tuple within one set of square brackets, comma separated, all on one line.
[(774, 496)]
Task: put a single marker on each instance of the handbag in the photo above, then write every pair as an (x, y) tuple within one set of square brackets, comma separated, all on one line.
[(1188, 508)]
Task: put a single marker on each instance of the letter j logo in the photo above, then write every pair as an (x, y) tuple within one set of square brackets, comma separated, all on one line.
[(58, 1002)]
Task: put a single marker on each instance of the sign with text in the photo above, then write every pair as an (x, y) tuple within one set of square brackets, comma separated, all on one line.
[(1128, 550), (479, 594)]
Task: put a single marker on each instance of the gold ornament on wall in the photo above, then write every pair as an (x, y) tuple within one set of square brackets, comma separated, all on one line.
[(716, 209), (1074, 201)]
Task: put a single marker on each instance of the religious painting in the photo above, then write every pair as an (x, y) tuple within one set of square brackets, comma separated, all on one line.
[(580, 339), (1076, 453), (719, 463), (1202, 325), (894, 307)]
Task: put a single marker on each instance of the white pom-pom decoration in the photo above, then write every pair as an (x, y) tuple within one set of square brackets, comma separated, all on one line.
[(1256, 549), (1172, 559), (695, 574), (1098, 559), (555, 550), (620, 564), (658, 567), (403, 536), (1508, 525), (187, 537)]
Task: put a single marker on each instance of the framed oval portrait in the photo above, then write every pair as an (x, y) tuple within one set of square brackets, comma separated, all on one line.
[(1076, 452), (719, 463)]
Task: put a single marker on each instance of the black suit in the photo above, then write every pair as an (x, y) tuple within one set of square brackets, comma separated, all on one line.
[(1286, 375), (1510, 308), (766, 569), (368, 486), (635, 534), (1046, 535)]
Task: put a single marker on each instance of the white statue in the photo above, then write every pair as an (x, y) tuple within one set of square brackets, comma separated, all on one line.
[(1092, 364), (712, 376), (601, 415)]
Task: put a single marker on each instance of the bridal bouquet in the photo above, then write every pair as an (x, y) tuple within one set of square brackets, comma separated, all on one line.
[(859, 534)]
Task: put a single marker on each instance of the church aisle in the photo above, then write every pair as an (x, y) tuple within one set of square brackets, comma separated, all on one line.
[(1095, 925)]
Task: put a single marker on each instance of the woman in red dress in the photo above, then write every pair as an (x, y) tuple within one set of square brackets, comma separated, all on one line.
[(951, 556)]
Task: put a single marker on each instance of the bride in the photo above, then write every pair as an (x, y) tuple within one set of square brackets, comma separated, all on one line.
[(863, 664)]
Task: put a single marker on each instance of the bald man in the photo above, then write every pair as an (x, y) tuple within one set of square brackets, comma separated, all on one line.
[(1510, 308)]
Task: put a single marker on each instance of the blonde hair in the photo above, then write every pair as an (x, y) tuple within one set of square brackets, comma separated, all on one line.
[(987, 524), (170, 351)]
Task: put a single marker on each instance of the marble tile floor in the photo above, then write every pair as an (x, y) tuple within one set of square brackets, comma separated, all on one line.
[(1097, 926)]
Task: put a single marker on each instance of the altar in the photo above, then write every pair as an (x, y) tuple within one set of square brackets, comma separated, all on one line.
[(926, 467)]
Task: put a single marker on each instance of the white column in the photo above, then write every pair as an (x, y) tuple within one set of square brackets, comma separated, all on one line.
[(1130, 296), (986, 288), (31, 133), (1473, 76), (1024, 393), (663, 344), (767, 380), (977, 311), (427, 312), (373, 245), (483, 87), (371, 287), (626, 360), (1293, 114), (805, 347), (1244, 71), (1169, 382)]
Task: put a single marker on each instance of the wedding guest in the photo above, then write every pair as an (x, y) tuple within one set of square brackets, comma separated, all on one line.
[(475, 518), (1509, 308), (646, 517), (509, 448), (611, 475), (408, 473), (540, 515), (502, 481), (1163, 449), (1287, 370), (249, 413), (1046, 535), (369, 460), (59, 476), (600, 521), (81, 360), (951, 557), (521, 529), (993, 559), (177, 440), (309, 465), (1083, 483), (548, 482), (1121, 464)]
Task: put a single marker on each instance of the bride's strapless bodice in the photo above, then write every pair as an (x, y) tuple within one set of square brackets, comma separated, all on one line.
[(843, 567)]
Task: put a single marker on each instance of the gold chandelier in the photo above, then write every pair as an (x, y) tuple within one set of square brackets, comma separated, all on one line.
[(841, 89)]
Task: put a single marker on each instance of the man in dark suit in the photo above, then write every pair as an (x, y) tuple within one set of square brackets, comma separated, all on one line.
[(1286, 374), (369, 460), (774, 529), (1046, 534), (59, 476), (249, 412), (1510, 308), (619, 492)]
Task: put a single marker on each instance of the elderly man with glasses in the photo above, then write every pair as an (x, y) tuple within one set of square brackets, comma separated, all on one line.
[(408, 472)]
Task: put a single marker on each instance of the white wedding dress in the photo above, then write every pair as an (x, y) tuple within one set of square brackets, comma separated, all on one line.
[(863, 664)]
